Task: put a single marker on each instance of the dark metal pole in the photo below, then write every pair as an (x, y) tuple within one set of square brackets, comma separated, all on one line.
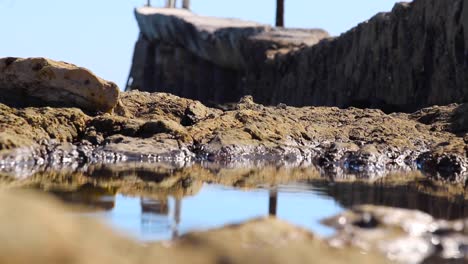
[(148, 3), (280, 13), (273, 202)]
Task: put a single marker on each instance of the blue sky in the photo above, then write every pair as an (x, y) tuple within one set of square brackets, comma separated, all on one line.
[(100, 34)]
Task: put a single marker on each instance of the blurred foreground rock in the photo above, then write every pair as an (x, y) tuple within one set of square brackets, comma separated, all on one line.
[(404, 236), (36, 229)]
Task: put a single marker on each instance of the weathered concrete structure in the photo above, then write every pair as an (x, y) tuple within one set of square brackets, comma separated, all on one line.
[(412, 57)]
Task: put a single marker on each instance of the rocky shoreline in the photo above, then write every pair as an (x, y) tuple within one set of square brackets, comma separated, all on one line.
[(64, 140), (162, 127)]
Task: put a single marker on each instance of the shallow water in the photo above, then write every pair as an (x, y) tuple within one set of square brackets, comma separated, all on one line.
[(215, 206), (170, 201)]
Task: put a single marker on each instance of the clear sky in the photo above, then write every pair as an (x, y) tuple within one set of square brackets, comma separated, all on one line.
[(100, 34)]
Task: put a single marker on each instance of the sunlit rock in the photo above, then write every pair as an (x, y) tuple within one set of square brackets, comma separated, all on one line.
[(40, 81)]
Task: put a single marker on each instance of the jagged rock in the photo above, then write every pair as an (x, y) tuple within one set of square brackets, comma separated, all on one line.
[(26, 127), (40, 81), (340, 142)]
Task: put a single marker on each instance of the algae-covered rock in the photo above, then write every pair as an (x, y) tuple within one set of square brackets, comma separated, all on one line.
[(40, 81)]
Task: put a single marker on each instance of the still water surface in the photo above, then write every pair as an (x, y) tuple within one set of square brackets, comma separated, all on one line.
[(215, 206)]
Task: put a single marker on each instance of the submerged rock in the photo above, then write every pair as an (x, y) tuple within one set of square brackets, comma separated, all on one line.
[(40, 81)]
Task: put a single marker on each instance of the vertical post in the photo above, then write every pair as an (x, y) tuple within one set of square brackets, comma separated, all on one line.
[(170, 3), (186, 4), (273, 202), (280, 13), (148, 3), (178, 205)]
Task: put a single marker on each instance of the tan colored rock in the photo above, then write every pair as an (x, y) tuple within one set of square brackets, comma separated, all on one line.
[(36, 229), (268, 240), (40, 81), (160, 126), (30, 126)]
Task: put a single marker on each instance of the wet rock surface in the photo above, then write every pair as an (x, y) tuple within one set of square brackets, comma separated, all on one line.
[(161, 127)]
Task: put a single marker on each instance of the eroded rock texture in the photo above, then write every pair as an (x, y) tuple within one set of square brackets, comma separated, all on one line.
[(44, 82), (412, 57), (161, 127)]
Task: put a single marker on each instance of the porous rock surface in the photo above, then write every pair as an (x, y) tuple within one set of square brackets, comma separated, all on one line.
[(40, 81), (163, 127)]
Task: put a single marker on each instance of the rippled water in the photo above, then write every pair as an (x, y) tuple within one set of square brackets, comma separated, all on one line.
[(215, 206)]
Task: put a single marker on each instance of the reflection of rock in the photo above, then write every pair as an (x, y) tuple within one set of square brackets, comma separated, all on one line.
[(157, 181), (86, 197), (37, 230), (39, 81), (406, 190), (404, 236)]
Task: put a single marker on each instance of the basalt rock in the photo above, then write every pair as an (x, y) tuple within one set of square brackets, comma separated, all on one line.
[(44, 82)]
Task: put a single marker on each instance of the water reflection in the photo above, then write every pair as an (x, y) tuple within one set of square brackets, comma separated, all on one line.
[(409, 196), (273, 202), (214, 206), (168, 202), (88, 197)]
